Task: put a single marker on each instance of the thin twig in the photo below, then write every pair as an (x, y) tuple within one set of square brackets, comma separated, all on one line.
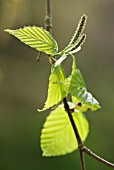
[(48, 17), (48, 22), (77, 135), (67, 109), (82, 160), (90, 153)]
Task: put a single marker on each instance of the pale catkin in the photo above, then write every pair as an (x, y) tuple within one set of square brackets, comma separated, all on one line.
[(81, 41), (79, 30)]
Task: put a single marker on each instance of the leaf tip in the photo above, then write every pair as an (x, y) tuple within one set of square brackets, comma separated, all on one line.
[(84, 17), (7, 30), (40, 110)]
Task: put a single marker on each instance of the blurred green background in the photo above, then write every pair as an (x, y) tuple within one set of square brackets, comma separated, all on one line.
[(23, 81)]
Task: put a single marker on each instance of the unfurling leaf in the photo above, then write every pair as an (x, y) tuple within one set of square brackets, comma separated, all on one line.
[(56, 89), (37, 38), (57, 137), (75, 85)]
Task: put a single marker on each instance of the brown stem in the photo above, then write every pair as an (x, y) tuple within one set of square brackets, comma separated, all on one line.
[(93, 155), (82, 160), (48, 23), (67, 109), (48, 18), (77, 135)]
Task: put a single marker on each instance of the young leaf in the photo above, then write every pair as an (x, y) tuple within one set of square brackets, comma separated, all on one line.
[(77, 89), (75, 85), (56, 89), (57, 137), (37, 38)]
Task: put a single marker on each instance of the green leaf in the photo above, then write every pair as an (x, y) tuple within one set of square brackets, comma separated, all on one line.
[(37, 38), (57, 137), (56, 89), (75, 85), (78, 90)]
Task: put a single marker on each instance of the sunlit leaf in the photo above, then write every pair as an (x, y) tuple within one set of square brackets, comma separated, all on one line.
[(78, 90), (75, 85), (57, 137), (37, 38), (56, 89)]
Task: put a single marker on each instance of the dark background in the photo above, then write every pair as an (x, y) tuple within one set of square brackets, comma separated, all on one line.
[(23, 81)]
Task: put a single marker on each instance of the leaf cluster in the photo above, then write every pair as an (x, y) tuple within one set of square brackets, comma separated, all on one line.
[(57, 137)]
